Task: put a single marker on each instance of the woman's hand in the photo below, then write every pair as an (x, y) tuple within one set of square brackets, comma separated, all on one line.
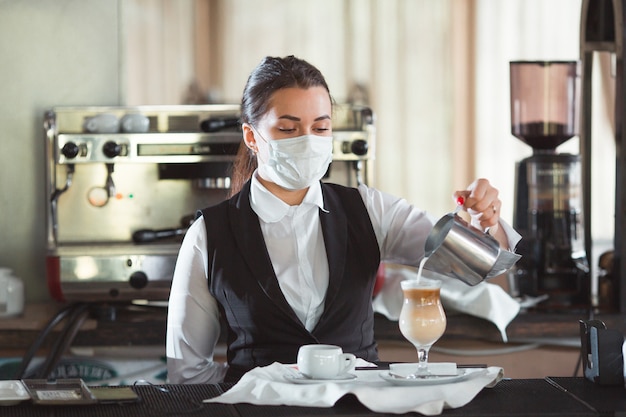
[(483, 205)]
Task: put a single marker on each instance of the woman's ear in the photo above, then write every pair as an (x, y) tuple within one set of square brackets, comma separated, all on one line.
[(248, 137)]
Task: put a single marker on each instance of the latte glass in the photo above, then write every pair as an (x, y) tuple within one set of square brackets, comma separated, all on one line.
[(422, 318)]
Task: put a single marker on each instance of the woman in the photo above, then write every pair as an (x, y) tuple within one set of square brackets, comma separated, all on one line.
[(289, 260)]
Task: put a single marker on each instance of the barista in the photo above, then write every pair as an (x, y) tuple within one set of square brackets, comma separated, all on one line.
[(289, 260)]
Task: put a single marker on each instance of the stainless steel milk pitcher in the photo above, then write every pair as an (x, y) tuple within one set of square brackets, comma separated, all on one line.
[(459, 250)]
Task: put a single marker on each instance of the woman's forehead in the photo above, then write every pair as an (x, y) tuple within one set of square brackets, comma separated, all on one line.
[(300, 103)]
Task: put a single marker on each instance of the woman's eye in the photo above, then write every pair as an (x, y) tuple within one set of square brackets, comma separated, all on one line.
[(322, 129), (285, 130)]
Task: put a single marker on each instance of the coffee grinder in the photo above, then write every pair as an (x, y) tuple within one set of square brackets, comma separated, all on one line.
[(548, 207)]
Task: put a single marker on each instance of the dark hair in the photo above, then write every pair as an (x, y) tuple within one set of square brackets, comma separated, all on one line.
[(271, 75)]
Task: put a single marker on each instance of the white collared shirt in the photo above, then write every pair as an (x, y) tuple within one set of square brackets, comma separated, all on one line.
[(294, 241)]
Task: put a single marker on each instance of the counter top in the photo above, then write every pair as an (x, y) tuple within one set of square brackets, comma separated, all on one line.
[(515, 397)]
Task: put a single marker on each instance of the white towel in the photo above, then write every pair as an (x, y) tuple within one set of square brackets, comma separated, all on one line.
[(269, 386)]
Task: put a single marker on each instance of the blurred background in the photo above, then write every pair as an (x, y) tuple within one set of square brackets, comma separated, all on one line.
[(435, 72)]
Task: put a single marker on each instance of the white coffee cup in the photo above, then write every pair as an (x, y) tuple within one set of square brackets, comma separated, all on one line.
[(102, 123), (324, 361), (135, 123)]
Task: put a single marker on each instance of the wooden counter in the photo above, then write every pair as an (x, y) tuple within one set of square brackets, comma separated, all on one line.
[(106, 325), (130, 325)]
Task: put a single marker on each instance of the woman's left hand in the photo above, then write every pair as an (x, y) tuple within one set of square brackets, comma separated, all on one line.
[(482, 204)]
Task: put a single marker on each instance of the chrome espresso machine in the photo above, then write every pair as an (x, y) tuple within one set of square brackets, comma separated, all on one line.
[(124, 183)]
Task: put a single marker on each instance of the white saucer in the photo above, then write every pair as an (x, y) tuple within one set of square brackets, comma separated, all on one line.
[(428, 380), (12, 392), (301, 379)]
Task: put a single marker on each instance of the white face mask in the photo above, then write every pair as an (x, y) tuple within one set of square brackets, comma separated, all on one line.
[(296, 163)]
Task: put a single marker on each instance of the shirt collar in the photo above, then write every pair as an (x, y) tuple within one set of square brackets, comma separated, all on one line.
[(271, 209)]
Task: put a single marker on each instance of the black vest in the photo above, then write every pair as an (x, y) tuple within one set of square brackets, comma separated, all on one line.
[(262, 327)]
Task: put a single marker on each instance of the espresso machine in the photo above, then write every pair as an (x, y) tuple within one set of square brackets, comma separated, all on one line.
[(124, 184), (548, 196)]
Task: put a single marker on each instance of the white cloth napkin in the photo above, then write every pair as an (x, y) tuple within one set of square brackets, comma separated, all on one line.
[(484, 300), (269, 386)]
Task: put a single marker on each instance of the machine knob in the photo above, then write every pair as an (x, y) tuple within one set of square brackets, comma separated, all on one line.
[(138, 280), (111, 149), (359, 147), (70, 150)]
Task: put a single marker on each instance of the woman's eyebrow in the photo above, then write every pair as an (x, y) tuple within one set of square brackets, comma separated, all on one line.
[(297, 119), (289, 117)]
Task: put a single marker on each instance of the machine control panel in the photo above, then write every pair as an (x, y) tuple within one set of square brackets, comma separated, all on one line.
[(152, 148), (180, 147)]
